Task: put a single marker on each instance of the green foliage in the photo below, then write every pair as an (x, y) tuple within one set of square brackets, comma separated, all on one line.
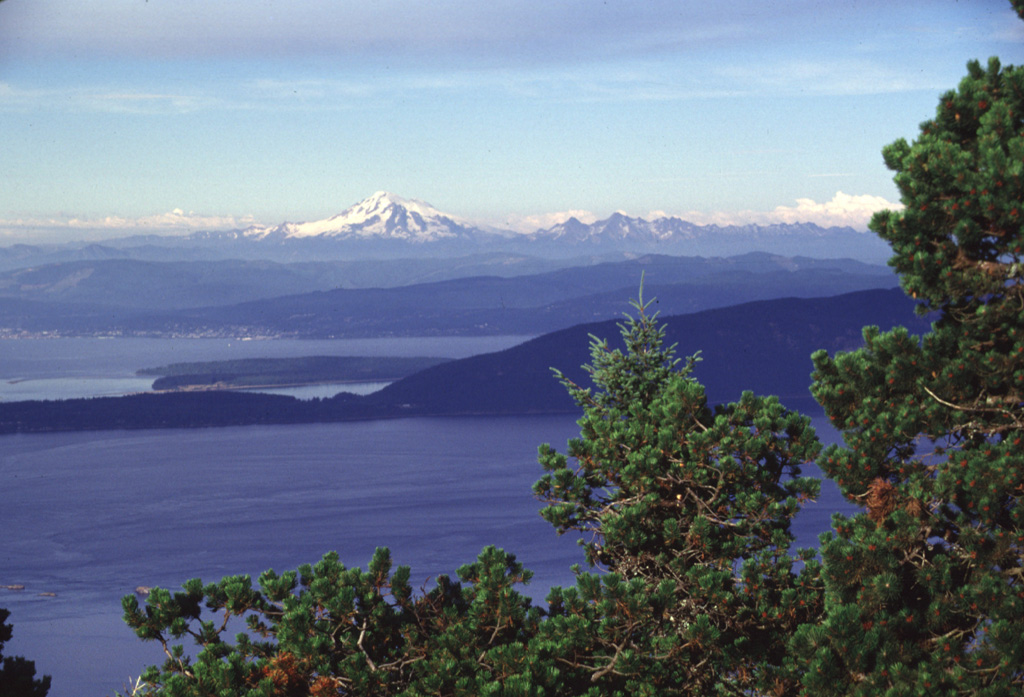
[(689, 509), (18, 675), (925, 590), (327, 630)]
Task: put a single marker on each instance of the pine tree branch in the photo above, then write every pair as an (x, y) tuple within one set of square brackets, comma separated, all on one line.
[(359, 645), (1015, 421), (610, 668)]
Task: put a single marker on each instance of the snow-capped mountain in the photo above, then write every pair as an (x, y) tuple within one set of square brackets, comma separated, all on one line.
[(619, 227), (386, 225), (622, 229), (669, 235), (381, 216)]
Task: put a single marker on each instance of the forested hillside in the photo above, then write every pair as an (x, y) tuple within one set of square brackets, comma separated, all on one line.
[(398, 298), (764, 346)]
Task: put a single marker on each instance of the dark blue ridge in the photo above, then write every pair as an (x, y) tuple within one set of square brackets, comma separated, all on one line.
[(762, 346)]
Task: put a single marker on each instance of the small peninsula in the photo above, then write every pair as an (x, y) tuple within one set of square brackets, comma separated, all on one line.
[(251, 373)]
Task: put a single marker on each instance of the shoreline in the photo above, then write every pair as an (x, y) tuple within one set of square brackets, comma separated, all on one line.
[(222, 387)]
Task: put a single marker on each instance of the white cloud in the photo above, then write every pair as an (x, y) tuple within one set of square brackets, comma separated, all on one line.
[(173, 222), (126, 101), (830, 77), (842, 210), (103, 100)]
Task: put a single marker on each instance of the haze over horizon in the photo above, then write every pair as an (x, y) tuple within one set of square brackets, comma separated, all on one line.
[(124, 116)]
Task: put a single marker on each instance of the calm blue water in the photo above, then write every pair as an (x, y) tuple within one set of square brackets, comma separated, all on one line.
[(80, 367), (90, 516)]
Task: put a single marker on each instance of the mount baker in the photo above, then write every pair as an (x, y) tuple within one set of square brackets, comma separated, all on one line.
[(383, 216)]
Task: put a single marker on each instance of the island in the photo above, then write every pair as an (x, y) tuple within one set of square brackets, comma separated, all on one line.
[(254, 373)]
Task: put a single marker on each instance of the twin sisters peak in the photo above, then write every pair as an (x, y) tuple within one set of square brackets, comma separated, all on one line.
[(387, 224)]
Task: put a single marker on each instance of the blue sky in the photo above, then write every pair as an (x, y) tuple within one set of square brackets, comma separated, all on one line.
[(121, 115)]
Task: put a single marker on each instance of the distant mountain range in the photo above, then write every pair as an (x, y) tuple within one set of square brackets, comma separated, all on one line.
[(478, 295), (387, 226), (763, 346), (385, 218)]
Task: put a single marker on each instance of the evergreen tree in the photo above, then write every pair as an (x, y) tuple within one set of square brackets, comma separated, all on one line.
[(330, 630), (925, 589), (688, 508), (18, 675)]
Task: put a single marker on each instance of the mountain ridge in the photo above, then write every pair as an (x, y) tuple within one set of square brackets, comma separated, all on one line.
[(762, 346), (325, 300)]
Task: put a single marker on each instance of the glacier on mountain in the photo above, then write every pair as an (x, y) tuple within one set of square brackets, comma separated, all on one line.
[(383, 215)]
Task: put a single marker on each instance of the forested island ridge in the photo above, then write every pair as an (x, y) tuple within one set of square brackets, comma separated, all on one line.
[(763, 345), (249, 373)]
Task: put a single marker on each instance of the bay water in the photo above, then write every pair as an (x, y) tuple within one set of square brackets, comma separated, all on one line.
[(87, 517), (73, 367)]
